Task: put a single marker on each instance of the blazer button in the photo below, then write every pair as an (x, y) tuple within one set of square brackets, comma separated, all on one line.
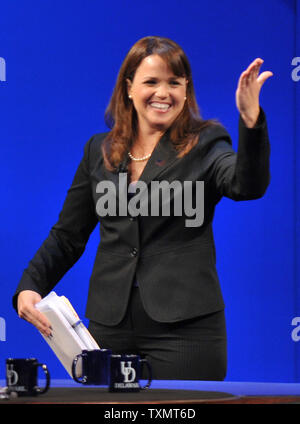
[(134, 252)]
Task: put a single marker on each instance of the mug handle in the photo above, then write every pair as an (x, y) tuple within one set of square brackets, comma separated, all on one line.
[(145, 362), (74, 363), (40, 390)]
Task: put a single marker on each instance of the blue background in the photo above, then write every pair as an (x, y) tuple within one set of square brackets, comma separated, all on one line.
[(62, 60)]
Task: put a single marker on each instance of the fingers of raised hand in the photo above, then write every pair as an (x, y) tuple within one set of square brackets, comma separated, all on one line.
[(263, 77), (254, 68), (251, 73), (243, 81)]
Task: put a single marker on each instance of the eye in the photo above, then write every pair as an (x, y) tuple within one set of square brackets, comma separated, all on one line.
[(174, 82), (150, 82)]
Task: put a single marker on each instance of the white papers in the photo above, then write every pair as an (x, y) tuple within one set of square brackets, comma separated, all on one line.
[(69, 334)]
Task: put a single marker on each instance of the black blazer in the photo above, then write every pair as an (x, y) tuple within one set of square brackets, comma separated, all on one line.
[(173, 264)]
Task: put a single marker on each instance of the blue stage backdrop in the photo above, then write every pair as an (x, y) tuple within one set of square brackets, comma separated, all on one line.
[(59, 62)]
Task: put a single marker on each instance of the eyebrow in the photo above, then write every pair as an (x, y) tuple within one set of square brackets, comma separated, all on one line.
[(171, 78)]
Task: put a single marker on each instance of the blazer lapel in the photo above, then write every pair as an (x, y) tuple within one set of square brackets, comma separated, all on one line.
[(162, 157)]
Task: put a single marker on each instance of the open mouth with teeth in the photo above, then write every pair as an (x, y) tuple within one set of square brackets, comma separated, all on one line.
[(161, 107)]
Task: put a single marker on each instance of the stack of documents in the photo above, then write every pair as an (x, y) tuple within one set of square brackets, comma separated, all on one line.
[(69, 334)]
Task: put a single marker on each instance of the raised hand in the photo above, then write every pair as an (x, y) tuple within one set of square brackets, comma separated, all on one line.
[(247, 93)]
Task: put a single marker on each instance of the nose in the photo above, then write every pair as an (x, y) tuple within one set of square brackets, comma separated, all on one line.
[(162, 91)]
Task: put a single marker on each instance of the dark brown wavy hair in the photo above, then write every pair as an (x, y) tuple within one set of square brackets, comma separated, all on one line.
[(121, 116)]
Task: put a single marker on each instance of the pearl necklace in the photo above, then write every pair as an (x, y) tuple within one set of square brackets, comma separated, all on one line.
[(139, 159)]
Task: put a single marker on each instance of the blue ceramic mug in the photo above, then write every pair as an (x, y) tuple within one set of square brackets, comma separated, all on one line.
[(95, 367), (126, 372), (22, 376)]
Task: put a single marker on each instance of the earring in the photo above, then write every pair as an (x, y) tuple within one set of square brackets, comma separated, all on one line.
[(185, 98), (130, 96)]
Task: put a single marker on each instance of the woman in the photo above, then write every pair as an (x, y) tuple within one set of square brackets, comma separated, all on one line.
[(154, 289)]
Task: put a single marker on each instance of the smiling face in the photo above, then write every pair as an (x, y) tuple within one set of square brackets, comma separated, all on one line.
[(157, 94)]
